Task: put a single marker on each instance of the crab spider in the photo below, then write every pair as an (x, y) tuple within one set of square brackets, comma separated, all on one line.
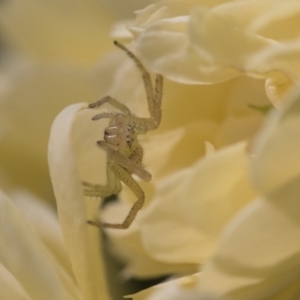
[(124, 153)]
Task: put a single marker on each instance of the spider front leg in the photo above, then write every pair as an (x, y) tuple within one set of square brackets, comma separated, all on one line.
[(155, 110), (113, 186), (113, 102), (154, 96), (125, 177), (154, 104), (122, 167)]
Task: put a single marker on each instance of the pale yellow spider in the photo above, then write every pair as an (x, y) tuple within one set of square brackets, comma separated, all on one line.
[(124, 153)]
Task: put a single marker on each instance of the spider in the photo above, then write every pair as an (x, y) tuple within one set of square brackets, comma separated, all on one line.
[(124, 153)]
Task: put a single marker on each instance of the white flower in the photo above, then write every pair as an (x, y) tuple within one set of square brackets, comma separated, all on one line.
[(221, 210)]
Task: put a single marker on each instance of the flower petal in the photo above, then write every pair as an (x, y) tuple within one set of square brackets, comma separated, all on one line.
[(258, 256), (259, 253), (190, 41), (10, 288), (166, 10), (45, 223), (82, 241), (284, 58), (277, 148), (181, 224), (175, 59), (279, 22), (277, 88), (128, 246), (21, 253), (226, 25)]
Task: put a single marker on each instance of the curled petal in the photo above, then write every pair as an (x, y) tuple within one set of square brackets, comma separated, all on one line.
[(278, 88), (221, 35), (82, 241), (175, 58), (283, 58)]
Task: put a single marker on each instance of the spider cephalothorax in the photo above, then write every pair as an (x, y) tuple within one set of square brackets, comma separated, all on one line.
[(124, 153), (122, 134)]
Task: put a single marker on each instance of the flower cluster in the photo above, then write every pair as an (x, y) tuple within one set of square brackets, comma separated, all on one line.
[(222, 213), (232, 212)]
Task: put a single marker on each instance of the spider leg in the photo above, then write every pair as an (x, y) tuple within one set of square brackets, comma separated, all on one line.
[(125, 162), (103, 115), (158, 92), (91, 185), (125, 177), (154, 96), (137, 155), (113, 102), (145, 124), (113, 186), (146, 76)]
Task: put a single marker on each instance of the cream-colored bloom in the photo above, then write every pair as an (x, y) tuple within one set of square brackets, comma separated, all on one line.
[(216, 196), (219, 115)]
